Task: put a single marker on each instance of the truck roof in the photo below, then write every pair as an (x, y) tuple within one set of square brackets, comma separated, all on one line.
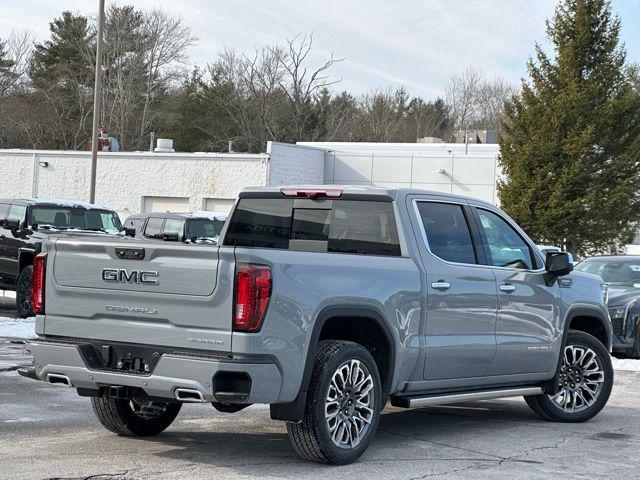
[(58, 202), (221, 216), (352, 191)]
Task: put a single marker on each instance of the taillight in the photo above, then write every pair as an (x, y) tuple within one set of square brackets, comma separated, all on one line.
[(253, 291), (37, 283)]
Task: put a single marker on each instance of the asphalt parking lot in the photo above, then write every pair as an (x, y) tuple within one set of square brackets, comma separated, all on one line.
[(49, 432)]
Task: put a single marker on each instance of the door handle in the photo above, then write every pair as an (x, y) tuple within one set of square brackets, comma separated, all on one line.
[(507, 288), (440, 285)]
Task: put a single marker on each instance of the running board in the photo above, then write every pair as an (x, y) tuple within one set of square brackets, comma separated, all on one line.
[(443, 399)]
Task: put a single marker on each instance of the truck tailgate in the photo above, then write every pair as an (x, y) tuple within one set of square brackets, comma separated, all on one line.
[(148, 292)]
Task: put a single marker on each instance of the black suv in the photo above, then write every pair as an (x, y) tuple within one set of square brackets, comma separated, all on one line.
[(26, 223), (195, 227), (621, 274)]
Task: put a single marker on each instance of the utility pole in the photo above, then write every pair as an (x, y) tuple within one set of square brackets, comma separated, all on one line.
[(96, 104)]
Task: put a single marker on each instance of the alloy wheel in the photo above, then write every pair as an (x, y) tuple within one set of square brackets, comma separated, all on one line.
[(349, 404), (580, 379)]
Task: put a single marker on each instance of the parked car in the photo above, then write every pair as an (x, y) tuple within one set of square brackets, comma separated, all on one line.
[(621, 273), (26, 223), (325, 303), (196, 227)]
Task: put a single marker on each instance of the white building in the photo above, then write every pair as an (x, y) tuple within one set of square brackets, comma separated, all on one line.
[(131, 182)]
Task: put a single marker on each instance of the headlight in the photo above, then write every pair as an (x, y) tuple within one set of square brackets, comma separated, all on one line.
[(617, 312)]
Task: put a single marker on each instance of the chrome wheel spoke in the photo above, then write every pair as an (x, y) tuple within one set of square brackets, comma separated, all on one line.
[(349, 404), (580, 379)]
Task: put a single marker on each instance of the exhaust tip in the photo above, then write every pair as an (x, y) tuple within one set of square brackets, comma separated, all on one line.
[(58, 379), (189, 395)]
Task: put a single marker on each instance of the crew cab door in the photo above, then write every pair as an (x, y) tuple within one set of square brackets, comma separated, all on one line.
[(529, 317), (460, 295)]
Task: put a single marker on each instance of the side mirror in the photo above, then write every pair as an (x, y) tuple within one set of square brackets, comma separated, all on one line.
[(557, 264), (11, 224), (170, 237), (130, 232)]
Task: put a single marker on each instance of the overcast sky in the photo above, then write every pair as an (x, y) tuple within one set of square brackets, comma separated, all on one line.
[(415, 43)]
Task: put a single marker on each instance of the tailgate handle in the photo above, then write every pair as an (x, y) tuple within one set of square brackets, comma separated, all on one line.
[(130, 253)]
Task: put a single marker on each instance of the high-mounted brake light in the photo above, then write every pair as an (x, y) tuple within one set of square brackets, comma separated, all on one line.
[(253, 291), (37, 283), (311, 193)]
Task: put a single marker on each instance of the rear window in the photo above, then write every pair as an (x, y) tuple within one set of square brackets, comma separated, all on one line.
[(340, 226), (153, 227)]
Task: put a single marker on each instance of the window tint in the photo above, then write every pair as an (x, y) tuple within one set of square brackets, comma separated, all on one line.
[(310, 224), (362, 227), (153, 227), (172, 225), (261, 222), (17, 212), (506, 247), (447, 231), (4, 209), (204, 228)]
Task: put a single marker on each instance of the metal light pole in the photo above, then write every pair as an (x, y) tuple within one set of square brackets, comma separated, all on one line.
[(96, 104)]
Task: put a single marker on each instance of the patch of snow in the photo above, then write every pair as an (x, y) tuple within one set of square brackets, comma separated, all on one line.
[(18, 327), (627, 364)]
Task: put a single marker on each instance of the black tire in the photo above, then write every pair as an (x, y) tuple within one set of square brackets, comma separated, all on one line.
[(118, 416), (547, 408), (23, 293), (311, 438)]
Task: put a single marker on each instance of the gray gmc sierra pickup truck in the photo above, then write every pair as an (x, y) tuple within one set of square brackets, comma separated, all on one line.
[(325, 303)]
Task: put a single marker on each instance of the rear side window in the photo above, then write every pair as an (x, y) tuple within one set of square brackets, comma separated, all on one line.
[(347, 226), (153, 228), (447, 231)]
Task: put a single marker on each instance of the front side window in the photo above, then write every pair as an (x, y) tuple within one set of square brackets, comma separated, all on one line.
[(506, 247), (4, 209), (447, 232), (17, 212), (153, 228), (172, 225)]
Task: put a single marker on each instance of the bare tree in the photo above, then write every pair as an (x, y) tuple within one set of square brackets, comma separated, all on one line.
[(301, 84), (462, 97), (476, 102)]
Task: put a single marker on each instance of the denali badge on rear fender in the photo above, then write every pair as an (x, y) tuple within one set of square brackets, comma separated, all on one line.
[(134, 276)]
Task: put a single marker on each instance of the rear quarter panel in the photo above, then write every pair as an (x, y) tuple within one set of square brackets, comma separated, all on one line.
[(305, 284)]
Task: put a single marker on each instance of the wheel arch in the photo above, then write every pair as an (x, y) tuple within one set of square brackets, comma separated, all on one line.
[(294, 411), (584, 318), (591, 320)]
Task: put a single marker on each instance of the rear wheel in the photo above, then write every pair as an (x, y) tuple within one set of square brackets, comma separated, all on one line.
[(135, 417), (343, 405), (584, 382), (23, 293)]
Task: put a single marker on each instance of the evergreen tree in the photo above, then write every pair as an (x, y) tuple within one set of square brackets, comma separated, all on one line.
[(571, 149)]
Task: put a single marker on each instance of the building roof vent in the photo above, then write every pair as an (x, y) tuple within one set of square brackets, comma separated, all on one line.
[(164, 145)]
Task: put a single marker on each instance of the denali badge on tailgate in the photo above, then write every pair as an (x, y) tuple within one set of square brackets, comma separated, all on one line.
[(134, 276)]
